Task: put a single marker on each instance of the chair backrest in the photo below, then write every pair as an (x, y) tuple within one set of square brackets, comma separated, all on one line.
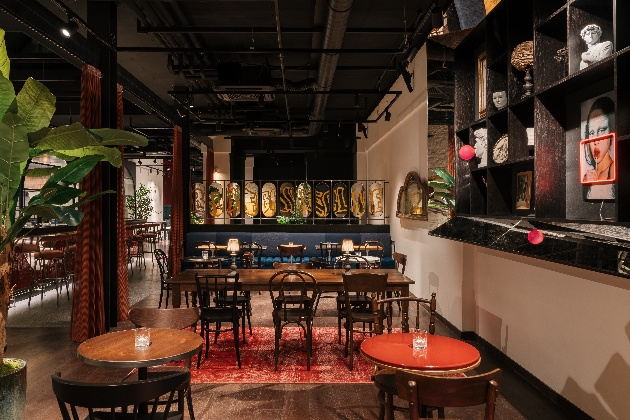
[(320, 263), (374, 248), (358, 261), (327, 249), (441, 391), (219, 284), (292, 266), (114, 395), (291, 250), (293, 289), (364, 282), (383, 308), (175, 318), (400, 260), (162, 260), (256, 250)]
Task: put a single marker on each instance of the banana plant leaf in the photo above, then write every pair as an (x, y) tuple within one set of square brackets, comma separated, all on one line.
[(7, 94), (38, 172), (36, 105), (14, 154), (74, 171), (113, 137), (5, 64), (67, 137), (69, 215), (441, 185), (58, 194), (443, 173), (110, 154)]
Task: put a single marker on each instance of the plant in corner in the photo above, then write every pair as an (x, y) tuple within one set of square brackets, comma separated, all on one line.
[(24, 135), (140, 203), (442, 192)]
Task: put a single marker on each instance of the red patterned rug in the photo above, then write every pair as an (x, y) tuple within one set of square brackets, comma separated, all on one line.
[(327, 362)]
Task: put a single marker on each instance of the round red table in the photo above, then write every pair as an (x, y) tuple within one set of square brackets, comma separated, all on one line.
[(443, 355)]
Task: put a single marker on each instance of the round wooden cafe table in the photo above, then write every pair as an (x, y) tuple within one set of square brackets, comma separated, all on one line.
[(442, 356)]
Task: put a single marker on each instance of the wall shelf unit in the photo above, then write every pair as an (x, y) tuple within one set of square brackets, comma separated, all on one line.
[(568, 97)]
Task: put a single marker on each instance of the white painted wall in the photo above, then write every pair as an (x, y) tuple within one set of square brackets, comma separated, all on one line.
[(153, 181), (567, 326)]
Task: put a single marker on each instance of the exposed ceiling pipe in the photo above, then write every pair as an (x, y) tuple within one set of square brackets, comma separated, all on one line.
[(284, 82), (336, 24)]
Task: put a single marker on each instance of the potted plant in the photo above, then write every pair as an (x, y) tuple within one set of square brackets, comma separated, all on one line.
[(442, 192), (25, 134), (140, 203)]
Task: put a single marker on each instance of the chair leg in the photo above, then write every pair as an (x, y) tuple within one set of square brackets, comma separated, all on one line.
[(390, 406), (161, 294), (276, 350), (351, 333), (216, 334), (238, 352), (309, 345), (168, 291), (382, 403), (191, 411), (207, 339), (244, 309)]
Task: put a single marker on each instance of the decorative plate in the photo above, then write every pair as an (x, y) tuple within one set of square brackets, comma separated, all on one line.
[(500, 151)]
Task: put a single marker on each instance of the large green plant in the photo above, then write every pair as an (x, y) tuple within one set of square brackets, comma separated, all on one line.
[(25, 133), (140, 203), (443, 194)]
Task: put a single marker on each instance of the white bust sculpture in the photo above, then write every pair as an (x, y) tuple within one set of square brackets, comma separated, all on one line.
[(481, 146), (499, 99), (597, 51)]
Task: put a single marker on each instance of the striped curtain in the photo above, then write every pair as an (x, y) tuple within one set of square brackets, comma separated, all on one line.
[(123, 273), (177, 206), (88, 316)]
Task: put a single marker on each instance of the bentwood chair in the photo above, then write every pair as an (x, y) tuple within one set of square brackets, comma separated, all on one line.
[(423, 391), (400, 260), (373, 248), (218, 285), (370, 283), (162, 260), (116, 398), (51, 258), (291, 251), (385, 379), (255, 249), (175, 318), (293, 295)]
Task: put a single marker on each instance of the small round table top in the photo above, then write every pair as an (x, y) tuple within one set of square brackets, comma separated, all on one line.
[(117, 349), (442, 355)]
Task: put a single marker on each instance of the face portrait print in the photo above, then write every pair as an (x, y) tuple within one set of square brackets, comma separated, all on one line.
[(597, 161)]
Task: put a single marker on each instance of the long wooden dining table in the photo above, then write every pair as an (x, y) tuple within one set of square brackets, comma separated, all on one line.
[(257, 279)]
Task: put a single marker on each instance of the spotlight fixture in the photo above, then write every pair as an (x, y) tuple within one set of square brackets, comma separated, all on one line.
[(191, 101), (437, 19), (139, 162), (151, 170), (261, 101), (155, 161), (69, 29), (402, 69), (218, 128), (388, 115), (357, 101)]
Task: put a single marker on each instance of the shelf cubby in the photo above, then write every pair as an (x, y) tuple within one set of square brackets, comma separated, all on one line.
[(550, 39), (497, 127), (496, 33), (500, 191), (478, 193), (581, 14), (543, 9), (520, 117)]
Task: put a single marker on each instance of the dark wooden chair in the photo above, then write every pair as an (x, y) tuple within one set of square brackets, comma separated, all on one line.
[(175, 318), (293, 295), (197, 249), (218, 285), (255, 249), (291, 251), (329, 251), (370, 283), (52, 267), (292, 266), (385, 379), (400, 260), (110, 396), (423, 391), (373, 249), (162, 261)]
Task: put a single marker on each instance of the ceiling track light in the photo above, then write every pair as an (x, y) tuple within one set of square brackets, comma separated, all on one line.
[(388, 115), (402, 69), (261, 101), (218, 127), (69, 28), (139, 162), (191, 101), (361, 128), (357, 101)]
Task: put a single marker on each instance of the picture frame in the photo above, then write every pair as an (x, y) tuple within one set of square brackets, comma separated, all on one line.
[(482, 71), (596, 152), (524, 190)]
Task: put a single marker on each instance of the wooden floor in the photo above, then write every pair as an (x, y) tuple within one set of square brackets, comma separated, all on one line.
[(48, 349)]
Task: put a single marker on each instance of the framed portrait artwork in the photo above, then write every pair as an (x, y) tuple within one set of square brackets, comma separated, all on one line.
[(481, 84), (597, 148), (524, 190)]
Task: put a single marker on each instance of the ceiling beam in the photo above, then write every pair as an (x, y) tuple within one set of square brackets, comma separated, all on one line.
[(247, 50)]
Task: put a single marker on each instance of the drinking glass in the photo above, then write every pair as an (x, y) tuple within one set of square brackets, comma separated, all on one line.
[(143, 337), (419, 339)]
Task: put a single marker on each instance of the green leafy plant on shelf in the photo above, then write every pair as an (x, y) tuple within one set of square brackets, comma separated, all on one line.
[(442, 192), (25, 134), (140, 203)]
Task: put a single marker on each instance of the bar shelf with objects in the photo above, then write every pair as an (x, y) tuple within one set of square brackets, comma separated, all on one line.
[(552, 150)]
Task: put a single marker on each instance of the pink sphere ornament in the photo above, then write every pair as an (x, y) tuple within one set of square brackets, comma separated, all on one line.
[(467, 152), (535, 236)]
